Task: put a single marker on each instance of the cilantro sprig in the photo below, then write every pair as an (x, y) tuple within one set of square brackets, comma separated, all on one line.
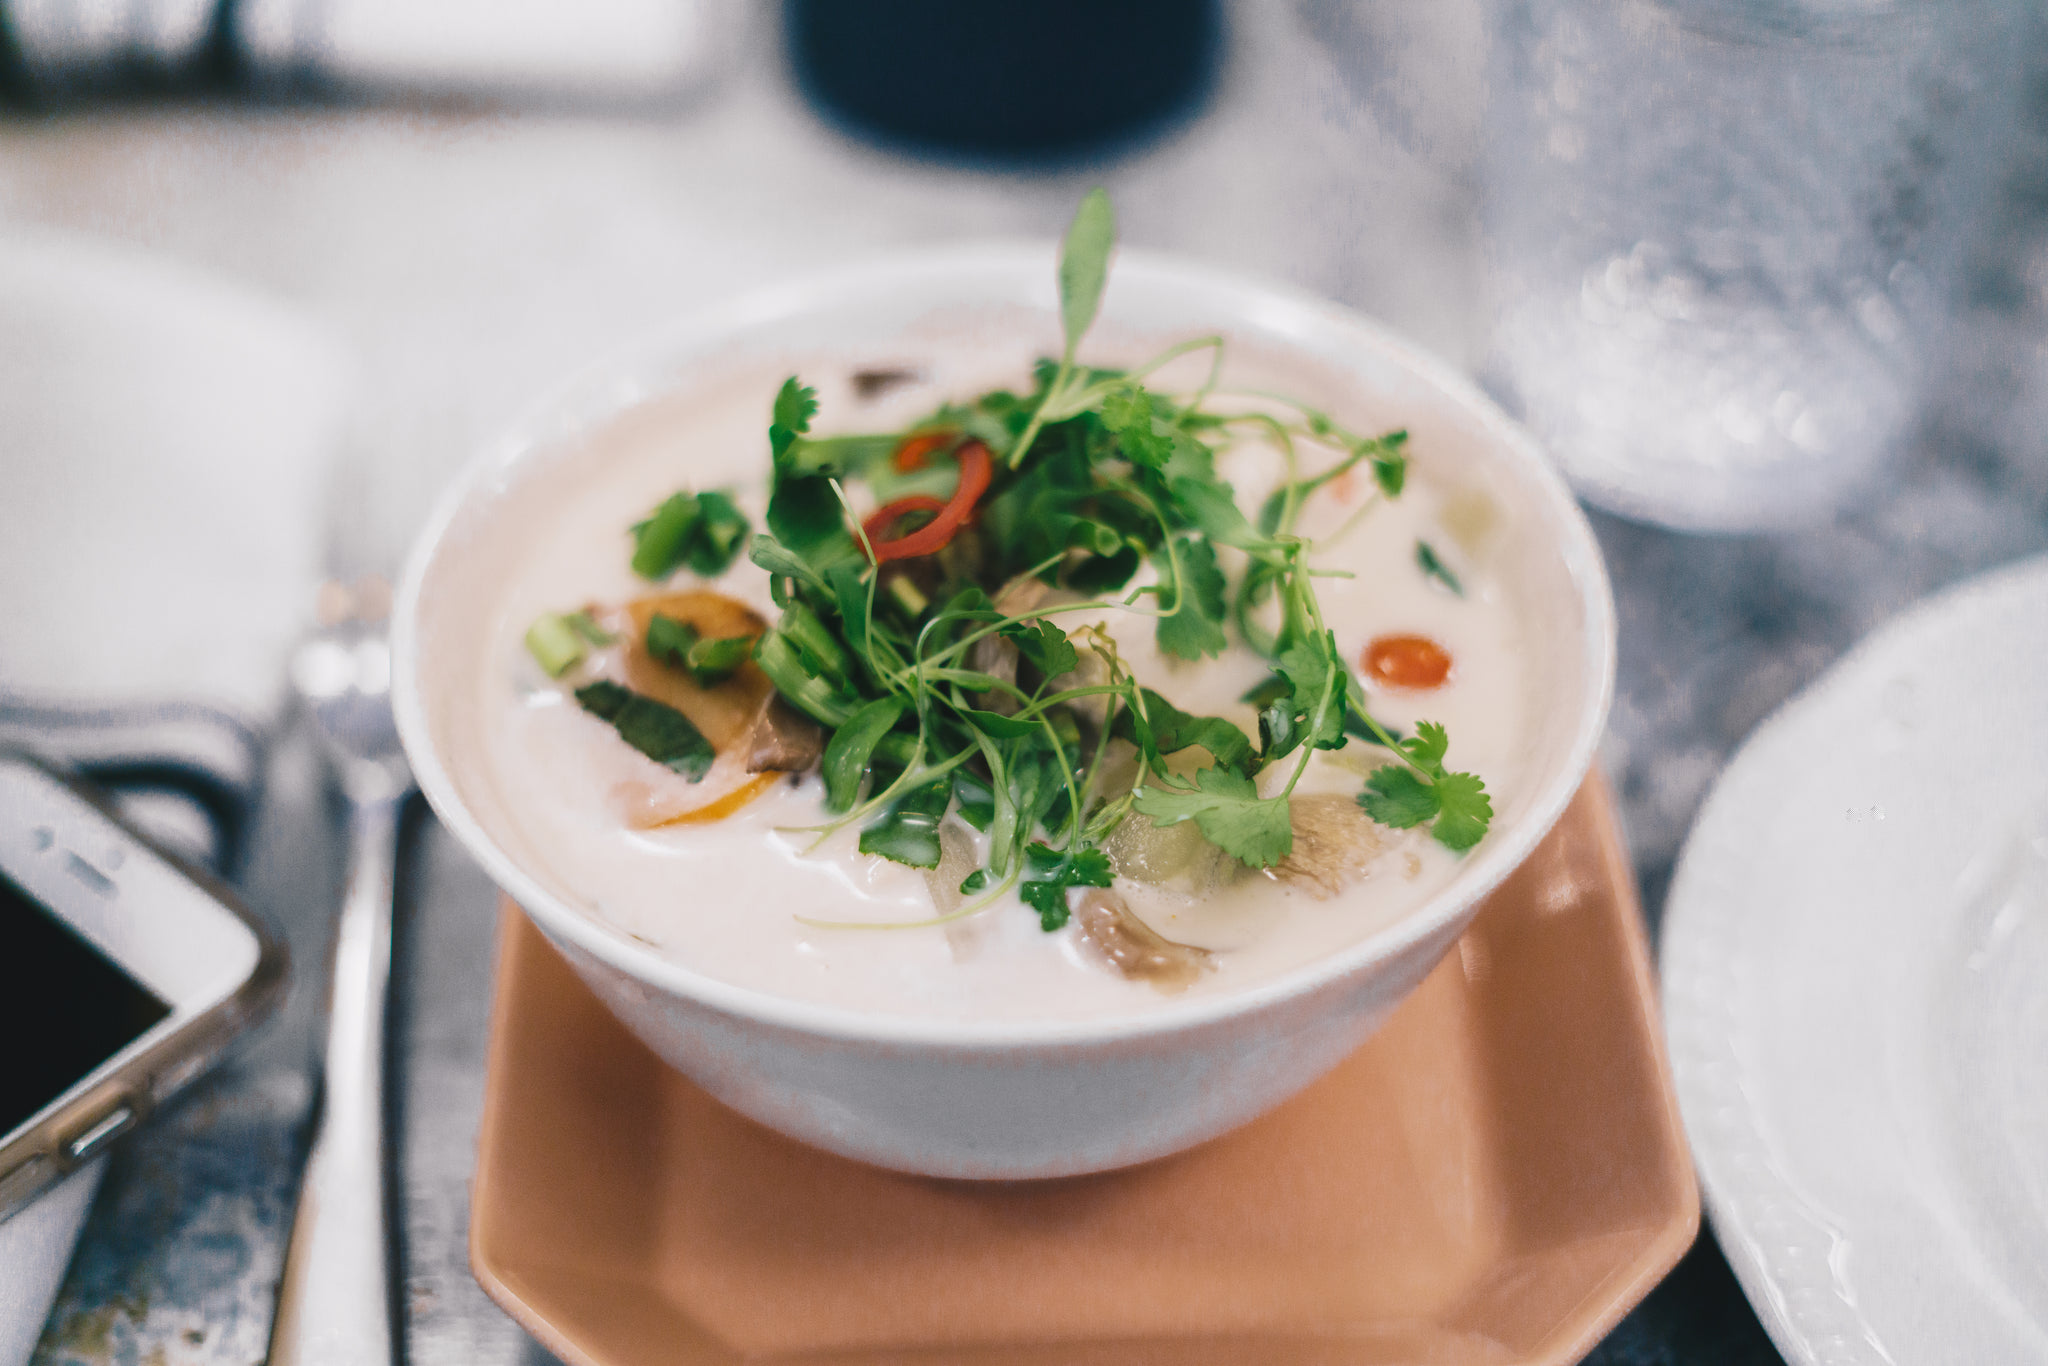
[(1419, 789)]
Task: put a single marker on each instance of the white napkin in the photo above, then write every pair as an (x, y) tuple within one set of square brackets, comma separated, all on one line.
[(165, 439)]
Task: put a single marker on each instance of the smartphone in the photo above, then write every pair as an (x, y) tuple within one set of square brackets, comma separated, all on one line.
[(124, 974)]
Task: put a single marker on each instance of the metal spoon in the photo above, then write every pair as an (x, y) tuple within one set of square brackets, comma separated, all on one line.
[(335, 1305)]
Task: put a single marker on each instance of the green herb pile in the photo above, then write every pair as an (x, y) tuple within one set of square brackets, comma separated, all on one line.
[(1083, 481)]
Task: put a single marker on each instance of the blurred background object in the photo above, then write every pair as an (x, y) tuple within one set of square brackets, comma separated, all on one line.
[(1047, 81), (58, 48), (593, 51), (1725, 236), (166, 433), (612, 52)]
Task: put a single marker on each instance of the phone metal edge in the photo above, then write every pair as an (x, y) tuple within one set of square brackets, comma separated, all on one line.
[(39, 1156)]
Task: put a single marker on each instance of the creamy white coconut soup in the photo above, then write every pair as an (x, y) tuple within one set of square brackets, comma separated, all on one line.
[(947, 687)]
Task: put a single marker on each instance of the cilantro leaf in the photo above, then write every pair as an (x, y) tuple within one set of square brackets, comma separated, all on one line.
[(1394, 795), (909, 833), (795, 405), (1044, 644), (1194, 627), (654, 728), (1057, 870), (1406, 795), (1084, 265), (1304, 670), (1166, 729), (1142, 433), (1191, 459), (1049, 899), (1211, 507), (1429, 745), (804, 513), (1227, 808), (1464, 811)]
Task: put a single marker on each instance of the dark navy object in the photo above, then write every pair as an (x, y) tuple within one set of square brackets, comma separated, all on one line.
[(1038, 81)]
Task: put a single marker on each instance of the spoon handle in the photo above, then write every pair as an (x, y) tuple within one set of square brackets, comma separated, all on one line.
[(335, 1302)]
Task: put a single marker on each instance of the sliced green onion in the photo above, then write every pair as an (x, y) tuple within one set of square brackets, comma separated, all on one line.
[(908, 596), (556, 644)]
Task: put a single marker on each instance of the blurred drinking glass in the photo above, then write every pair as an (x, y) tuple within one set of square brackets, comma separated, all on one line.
[(1724, 236)]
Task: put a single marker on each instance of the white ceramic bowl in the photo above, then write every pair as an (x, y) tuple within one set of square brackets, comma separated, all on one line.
[(1031, 1098)]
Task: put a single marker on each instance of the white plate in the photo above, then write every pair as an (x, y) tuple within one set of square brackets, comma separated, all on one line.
[(1855, 968)]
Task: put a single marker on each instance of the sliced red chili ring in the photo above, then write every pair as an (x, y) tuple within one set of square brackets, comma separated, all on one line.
[(884, 519), (915, 450), (977, 467)]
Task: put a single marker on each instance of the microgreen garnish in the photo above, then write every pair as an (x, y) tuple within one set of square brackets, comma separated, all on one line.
[(702, 530), (654, 728), (903, 564), (1433, 566)]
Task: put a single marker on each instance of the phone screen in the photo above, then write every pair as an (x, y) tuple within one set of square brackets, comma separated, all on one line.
[(65, 1008)]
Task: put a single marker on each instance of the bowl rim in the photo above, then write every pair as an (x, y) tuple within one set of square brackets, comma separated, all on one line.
[(1278, 312)]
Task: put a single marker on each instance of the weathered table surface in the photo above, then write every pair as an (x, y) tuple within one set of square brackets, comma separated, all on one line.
[(467, 257)]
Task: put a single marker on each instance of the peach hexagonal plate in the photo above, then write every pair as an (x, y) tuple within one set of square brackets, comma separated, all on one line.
[(1497, 1176)]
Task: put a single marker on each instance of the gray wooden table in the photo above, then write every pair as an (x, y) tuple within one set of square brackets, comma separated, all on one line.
[(467, 257)]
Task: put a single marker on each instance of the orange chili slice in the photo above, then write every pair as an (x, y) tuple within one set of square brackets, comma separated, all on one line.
[(977, 467), (1407, 661), (720, 807)]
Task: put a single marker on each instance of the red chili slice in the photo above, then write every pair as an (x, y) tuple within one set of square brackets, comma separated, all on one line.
[(915, 450), (884, 519), (976, 468)]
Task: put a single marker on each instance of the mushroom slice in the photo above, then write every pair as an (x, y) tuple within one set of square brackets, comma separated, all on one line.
[(1108, 930), (1334, 842), (783, 739)]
